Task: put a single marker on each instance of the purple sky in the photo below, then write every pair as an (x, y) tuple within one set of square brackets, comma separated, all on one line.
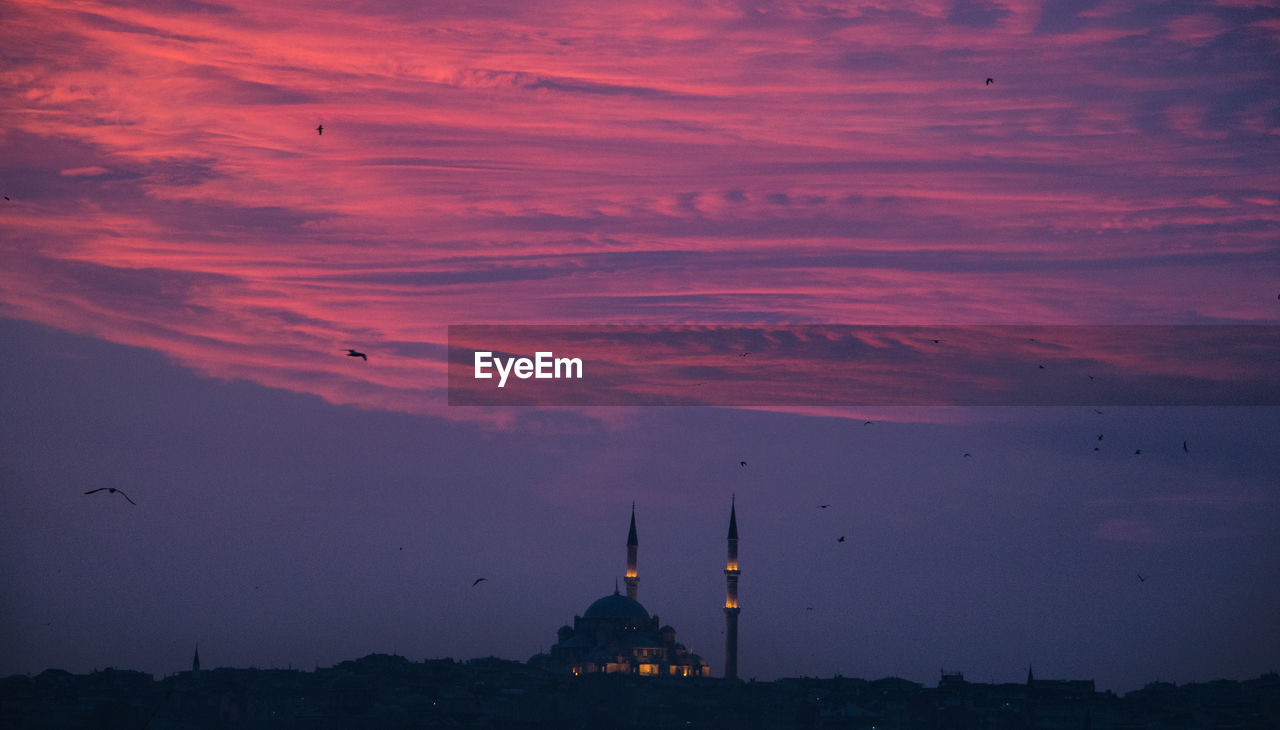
[(186, 260)]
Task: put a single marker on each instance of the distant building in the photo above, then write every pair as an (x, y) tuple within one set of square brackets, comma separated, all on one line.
[(616, 634)]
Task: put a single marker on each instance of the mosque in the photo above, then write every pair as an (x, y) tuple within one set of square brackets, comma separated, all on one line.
[(616, 634)]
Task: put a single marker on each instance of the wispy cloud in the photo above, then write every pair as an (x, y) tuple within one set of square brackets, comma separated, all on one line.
[(561, 162)]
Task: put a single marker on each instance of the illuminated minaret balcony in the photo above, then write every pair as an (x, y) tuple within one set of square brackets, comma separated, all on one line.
[(632, 577)]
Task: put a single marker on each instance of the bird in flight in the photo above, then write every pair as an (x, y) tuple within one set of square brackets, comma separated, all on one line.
[(937, 342), (990, 81), (478, 581), (841, 539), (320, 130), (1042, 367), (1099, 437), (967, 454), (823, 506), (353, 353), (1185, 450), (1137, 452), (744, 354), (1142, 578), (868, 423), (742, 463), (112, 490), (1095, 410)]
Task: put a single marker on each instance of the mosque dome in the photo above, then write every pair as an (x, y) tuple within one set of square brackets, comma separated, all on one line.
[(617, 606)]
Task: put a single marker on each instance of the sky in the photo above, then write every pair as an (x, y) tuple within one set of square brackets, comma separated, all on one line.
[(186, 261)]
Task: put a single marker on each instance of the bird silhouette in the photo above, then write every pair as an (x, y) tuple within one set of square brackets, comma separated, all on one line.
[(478, 581), (868, 423), (112, 490), (937, 342), (744, 354), (1142, 578), (841, 539), (967, 454), (1185, 450), (742, 463), (1137, 452), (1042, 367), (1091, 377), (1099, 437), (320, 130), (1096, 449), (353, 353), (1095, 410), (823, 506), (990, 81)]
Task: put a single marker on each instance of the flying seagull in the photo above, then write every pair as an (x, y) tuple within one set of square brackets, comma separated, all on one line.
[(990, 81), (868, 423), (967, 454), (1099, 437), (823, 506), (742, 463), (478, 581), (320, 129), (1185, 450), (1142, 578), (353, 353), (112, 490), (744, 354), (841, 539), (1137, 452), (1095, 410)]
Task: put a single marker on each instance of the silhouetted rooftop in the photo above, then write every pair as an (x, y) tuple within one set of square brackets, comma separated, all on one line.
[(617, 606)]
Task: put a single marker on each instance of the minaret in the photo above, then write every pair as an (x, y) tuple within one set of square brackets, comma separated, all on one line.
[(633, 580), (731, 598)]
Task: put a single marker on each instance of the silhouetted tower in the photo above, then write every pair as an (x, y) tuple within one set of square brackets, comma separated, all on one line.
[(731, 597), (195, 661), (632, 579)]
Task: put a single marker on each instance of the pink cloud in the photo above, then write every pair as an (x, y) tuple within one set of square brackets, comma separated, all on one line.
[(639, 163)]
